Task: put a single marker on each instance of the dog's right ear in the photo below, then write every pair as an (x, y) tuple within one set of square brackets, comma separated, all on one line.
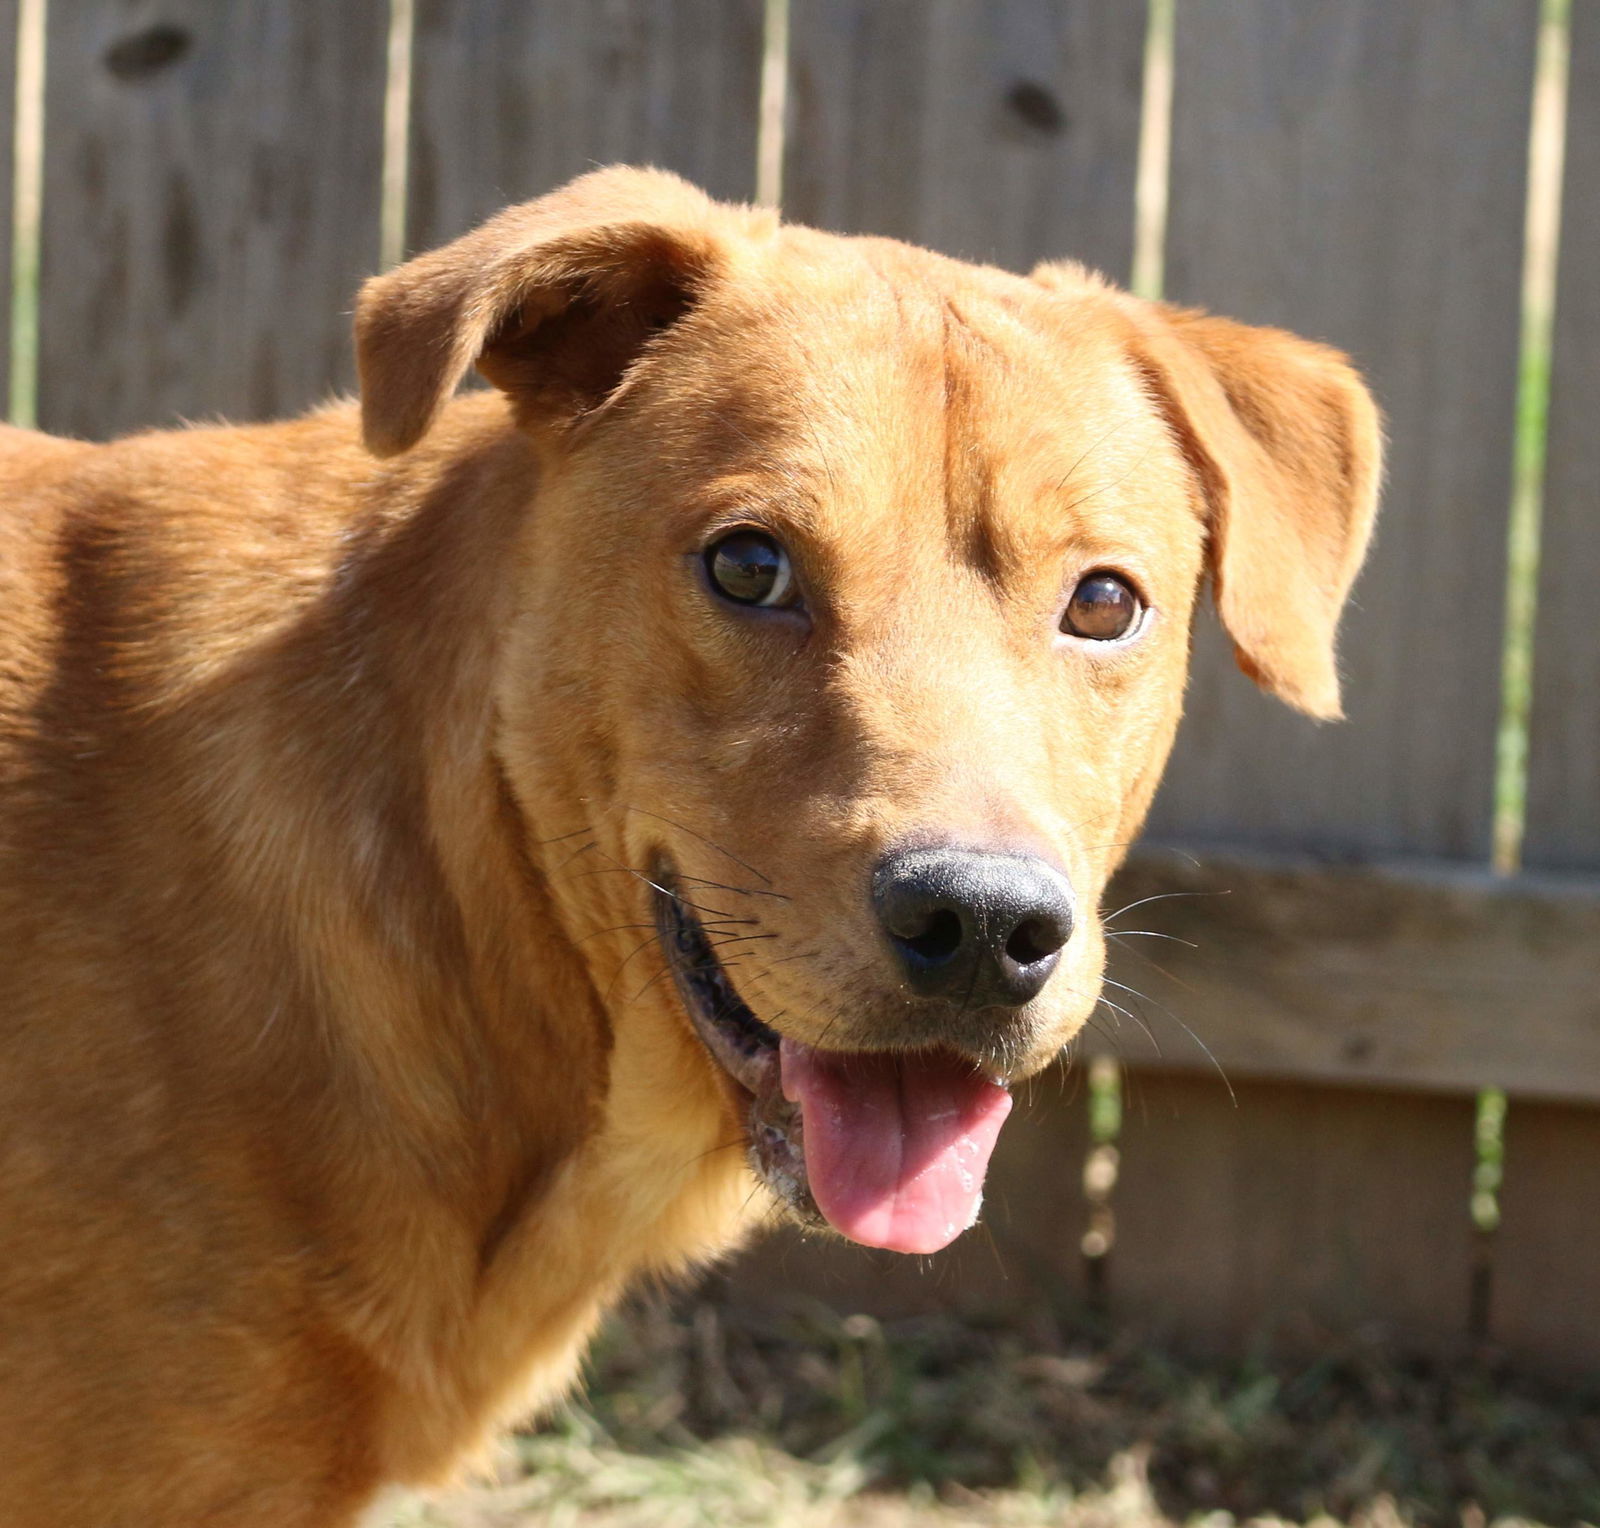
[(553, 301), (1286, 444)]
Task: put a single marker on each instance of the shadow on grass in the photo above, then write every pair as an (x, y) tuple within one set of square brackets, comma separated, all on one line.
[(1062, 1410)]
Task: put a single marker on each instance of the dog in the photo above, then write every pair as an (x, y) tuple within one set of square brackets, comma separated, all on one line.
[(460, 856)]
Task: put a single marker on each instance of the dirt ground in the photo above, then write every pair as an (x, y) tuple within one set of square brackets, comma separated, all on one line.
[(701, 1414)]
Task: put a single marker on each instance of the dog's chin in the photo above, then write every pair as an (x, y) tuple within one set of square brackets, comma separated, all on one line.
[(901, 1134), (747, 1053)]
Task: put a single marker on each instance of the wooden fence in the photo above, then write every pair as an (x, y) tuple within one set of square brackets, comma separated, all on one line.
[(213, 175)]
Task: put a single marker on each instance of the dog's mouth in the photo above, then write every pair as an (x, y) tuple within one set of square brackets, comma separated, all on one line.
[(890, 1148)]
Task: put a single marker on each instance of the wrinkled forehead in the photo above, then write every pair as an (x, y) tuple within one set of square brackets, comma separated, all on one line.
[(868, 377)]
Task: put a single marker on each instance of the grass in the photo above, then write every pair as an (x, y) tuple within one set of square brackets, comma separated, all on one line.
[(703, 1413), (1542, 234)]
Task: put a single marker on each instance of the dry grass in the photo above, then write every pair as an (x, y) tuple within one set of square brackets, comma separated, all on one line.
[(737, 1482), (705, 1414)]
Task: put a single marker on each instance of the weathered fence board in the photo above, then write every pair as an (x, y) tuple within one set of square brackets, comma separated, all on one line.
[(1026, 1254), (8, 83), (1356, 172), (212, 174), (1546, 1294), (1563, 821), (513, 97), (1420, 977), (1005, 132), (1291, 1211)]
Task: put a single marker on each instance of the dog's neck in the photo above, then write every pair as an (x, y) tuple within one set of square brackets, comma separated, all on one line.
[(440, 998)]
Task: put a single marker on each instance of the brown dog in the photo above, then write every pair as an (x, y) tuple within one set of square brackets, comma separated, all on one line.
[(806, 617)]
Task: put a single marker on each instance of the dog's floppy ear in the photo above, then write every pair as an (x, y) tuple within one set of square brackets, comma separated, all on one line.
[(552, 300), (1287, 444)]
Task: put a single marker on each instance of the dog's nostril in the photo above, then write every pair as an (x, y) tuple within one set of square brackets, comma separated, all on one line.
[(981, 929), (940, 939), (1033, 939)]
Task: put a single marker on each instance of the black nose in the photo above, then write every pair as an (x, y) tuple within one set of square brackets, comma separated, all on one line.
[(983, 929)]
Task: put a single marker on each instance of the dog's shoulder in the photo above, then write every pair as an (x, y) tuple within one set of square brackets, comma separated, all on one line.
[(34, 469)]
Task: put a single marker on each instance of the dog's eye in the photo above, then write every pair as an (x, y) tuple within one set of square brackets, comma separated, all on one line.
[(750, 568), (1103, 607)]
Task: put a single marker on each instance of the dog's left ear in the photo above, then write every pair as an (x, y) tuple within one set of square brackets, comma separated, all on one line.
[(1287, 444), (553, 301)]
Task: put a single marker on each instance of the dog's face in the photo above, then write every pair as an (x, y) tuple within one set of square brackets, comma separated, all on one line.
[(853, 624)]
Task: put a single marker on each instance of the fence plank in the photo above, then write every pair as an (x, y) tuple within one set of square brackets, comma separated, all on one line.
[(1546, 1300), (1005, 132), (1026, 1254), (212, 174), (1298, 1211), (8, 83), (1563, 823), (1356, 172), (1429, 978), (513, 97)]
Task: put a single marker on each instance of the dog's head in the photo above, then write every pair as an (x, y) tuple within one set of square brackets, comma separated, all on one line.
[(853, 621)]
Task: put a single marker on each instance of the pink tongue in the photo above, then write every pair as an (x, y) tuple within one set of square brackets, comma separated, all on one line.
[(896, 1145)]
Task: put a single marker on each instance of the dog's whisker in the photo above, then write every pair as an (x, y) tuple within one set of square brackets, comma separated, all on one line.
[(644, 812), (1155, 965), (1182, 854), (614, 868), (755, 1188), (627, 960), (972, 986), (1078, 503), (667, 969), (616, 928), (559, 838), (576, 853), (1138, 1019), (827, 1029), (619, 927), (743, 891), (1078, 827), (983, 1230), (784, 960), (1162, 896), (1143, 997), (839, 1012), (712, 1151), (824, 455), (725, 940), (1100, 998), (1148, 933), (1187, 1029), (1089, 451), (1111, 1039), (1159, 969)]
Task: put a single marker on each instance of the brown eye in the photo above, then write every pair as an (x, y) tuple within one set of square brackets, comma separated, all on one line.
[(1103, 607), (750, 568)]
